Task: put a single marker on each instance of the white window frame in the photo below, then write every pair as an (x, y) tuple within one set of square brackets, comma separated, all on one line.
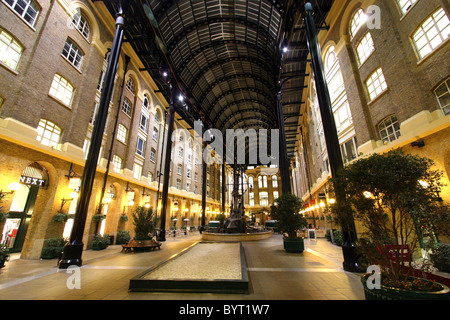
[(439, 96), (127, 106), (376, 84), (140, 151), (61, 89), (357, 21), (10, 50), (82, 25), (405, 5), (365, 48), (389, 129), (72, 53), (117, 163), (137, 171), (263, 198), (425, 42), (122, 133), (48, 133), (30, 12)]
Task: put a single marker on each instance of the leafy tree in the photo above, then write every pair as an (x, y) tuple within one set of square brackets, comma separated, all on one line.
[(286, 212), (144, 224)]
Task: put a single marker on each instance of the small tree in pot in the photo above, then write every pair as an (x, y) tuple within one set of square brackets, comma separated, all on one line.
[(144, 223), (395, 196), (286, 212)]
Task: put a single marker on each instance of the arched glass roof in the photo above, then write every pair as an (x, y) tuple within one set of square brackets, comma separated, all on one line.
[(227, 57)]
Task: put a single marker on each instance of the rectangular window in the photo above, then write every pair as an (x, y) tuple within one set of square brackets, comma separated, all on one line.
[(376, 84), (251, 199), (61, 89), (263, 199), (365, 48), (140, 146), (405, 5), (122, 133), (126, 107), (152, 155), (443, 96), (72, 53), (137, 171), (434, 31), (26, 9), (389, 129), (155, 134), (143, 123), (275, 195), (117, 163), (180, 169), (349, 150), (10, 50)]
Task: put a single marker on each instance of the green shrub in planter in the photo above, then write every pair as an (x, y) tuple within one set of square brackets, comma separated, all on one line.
[(60, 217), (337, 237), (123, 237), (100, 242), (52, 248), (144, 223)]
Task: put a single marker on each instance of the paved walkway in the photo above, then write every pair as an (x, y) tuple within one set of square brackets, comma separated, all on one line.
[(316, 274)]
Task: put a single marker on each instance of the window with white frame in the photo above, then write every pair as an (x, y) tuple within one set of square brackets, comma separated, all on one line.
[(389, 129), (180, 152), (274, 181), (150, 177), (130, 85), (443, 96), (188, 186), (137, 171), (10, 50), (152, 155), (82, 25), (250, 182), (178, 184), (26, 9), (48, 133), (146, 103), (140, 146), (365, 48), (431, 33), (180, 169), (143, 124), (263, 198), (275, 195), (357, 21), (349, 150), (157, 116), (376, 84), (155, 134), (188, 173), (405, 5), (251, 199), (72, 53), (122, 133), (126, 106), (61, 89), (195, 176), (116, 163)]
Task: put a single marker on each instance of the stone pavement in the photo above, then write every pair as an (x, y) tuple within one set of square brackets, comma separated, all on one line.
[(316, 274)]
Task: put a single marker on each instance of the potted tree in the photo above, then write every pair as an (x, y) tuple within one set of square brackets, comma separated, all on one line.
[(395, 198), (144, 223), (286, 211)]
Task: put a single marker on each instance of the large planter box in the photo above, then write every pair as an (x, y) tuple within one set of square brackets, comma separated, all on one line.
[(294, 245), (389, 293)]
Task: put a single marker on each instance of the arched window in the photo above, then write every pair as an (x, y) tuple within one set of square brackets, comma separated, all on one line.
[(146, 103), (431, 33), (72, 53), (10, 50), (82, 25), (338, 95), (389, 129), (61, 89), (48, 133), (357, 21), (274, 181), (131, 86)]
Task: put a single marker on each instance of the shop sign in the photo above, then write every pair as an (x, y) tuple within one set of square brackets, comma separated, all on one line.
[(32, 181)]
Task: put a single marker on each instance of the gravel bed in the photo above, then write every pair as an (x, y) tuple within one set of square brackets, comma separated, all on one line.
[(203, 261)]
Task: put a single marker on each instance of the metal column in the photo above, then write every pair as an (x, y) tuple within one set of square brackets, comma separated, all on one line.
[(73, 251)]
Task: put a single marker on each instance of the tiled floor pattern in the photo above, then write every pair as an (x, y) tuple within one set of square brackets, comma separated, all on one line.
[(316, 274)]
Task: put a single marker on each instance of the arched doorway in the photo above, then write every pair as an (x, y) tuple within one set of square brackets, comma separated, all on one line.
[(15, 229)]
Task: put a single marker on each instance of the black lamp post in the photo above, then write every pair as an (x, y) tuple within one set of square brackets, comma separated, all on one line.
[(331, 138), (73, 251)]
